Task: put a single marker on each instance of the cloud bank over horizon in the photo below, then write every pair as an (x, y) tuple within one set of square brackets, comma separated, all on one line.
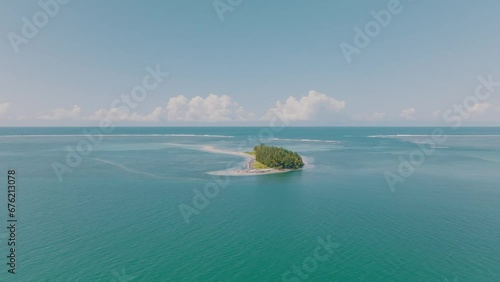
[(210, 109), (215, 109)]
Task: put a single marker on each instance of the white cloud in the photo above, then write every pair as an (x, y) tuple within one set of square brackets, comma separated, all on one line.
[(153, 116), (213, 108), (377, 116), (61, 113), (4, 108), (115, 114), (408, 114), (479, 108), (118, 114), (306, 107), (370, 118), (436, 114), (22, 117)]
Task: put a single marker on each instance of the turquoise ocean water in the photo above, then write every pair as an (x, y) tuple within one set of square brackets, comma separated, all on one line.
[(116, 216)]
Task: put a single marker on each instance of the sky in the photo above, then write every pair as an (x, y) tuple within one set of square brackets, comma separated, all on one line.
[(242, 62)]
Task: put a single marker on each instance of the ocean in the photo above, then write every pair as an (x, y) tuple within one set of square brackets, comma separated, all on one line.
[(140, 204)]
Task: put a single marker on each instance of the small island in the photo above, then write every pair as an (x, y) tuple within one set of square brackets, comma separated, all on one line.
[(263, 160), (266, 157)]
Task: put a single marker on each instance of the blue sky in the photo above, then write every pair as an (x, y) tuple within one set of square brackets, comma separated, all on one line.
[(261, 58)]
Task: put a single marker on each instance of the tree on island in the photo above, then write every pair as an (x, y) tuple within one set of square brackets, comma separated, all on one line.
[(277, 157)]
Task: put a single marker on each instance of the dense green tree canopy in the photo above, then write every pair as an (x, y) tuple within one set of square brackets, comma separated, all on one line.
[(277, 157)]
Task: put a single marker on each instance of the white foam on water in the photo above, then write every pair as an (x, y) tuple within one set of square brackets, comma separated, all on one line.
[(430, 135), (127, 169), (303, 140), (118, 135)]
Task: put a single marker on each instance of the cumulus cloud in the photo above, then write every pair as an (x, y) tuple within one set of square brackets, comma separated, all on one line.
[(4, 108), (213, 108), (375, 117), (115, 114), (61, 113), (153, 116), (119, 114), (370, 118), (479, 108), (408, 114), (436, 114), (306, 107)]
